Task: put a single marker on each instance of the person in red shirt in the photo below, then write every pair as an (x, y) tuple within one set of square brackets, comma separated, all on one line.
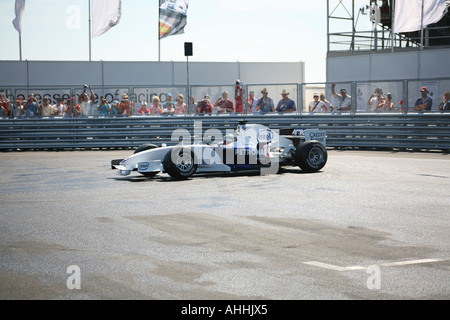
[(73, 109), (223, 104), (204, 106), (238, 96), (144, 109)]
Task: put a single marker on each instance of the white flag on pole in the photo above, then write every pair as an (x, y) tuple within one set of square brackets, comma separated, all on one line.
[(105, 15), (433, 11), (408, 14), (17, 22)]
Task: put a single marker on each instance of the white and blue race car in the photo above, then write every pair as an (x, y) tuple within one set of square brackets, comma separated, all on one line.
[(251, 147)]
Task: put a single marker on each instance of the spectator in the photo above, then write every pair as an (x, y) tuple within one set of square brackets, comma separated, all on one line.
[(180, 106), (286, 104), (223, 104), (445, 104), (84, 101), (424, 103), (32, 107), (168, 100), (126, 106), (374, 100), (59, 108), (344, 100), (156, 107), (238, 96), (252, 102), (329, 106), (388, 103), (170, 108), (47, 110), (385, 104), (144, 110), (265, 104), (115, 108), (317, 105), (73, 109), (204, 106), (4, 103), (20, 108), (104, 109), (193, 106)]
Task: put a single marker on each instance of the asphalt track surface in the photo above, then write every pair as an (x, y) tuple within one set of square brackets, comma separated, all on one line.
[(370, 225)]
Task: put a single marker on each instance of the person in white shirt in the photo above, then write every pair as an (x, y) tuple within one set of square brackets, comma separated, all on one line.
[(344, 100), (252, 102), (374, 100), (329, 106), (47, 109), (59, 108), (170, 108), (85, 103), (317, 105)]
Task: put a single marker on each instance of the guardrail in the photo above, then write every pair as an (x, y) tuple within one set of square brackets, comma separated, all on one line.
[(386, 131)]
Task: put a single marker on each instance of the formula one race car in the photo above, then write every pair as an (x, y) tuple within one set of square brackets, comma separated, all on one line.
[(248, 148)]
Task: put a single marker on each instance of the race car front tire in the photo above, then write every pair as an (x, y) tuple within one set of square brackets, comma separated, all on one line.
[(311, 156), (180, 163)]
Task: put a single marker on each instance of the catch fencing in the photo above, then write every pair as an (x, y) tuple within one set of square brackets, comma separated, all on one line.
[(404, 95)]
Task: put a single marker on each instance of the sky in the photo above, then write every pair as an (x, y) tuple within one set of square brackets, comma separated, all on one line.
[(220, 30)]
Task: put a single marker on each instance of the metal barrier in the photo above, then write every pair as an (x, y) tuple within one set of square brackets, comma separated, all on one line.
[(388, 131)]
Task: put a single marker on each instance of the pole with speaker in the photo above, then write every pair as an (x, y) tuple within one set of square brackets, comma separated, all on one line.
[(188, 53)]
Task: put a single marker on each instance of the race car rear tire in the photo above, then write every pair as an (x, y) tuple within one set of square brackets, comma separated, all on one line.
[(180, 163), (145, 147), (311, 156)]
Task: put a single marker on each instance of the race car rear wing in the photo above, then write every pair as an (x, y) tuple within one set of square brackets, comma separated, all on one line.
[(300, 135)]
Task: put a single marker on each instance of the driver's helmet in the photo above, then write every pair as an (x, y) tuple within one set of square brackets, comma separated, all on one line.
[(229, 138)]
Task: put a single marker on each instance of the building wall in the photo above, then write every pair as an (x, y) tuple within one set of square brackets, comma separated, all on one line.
[(421, 64), (110, 74)]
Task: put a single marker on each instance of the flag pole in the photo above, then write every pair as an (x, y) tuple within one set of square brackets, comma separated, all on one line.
[(90, 33), (392, 8), (20, 45), (159, 37), (421, 27)]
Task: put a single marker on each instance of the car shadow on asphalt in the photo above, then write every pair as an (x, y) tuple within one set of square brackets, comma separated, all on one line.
[(166, 178)]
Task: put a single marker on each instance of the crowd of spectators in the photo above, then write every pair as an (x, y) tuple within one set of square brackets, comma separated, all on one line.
[(86, 104)]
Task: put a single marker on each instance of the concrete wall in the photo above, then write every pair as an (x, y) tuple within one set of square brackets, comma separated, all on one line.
[(111, 74), (421, 64)]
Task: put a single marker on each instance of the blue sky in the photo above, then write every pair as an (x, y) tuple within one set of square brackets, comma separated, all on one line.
[(221, 30)]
